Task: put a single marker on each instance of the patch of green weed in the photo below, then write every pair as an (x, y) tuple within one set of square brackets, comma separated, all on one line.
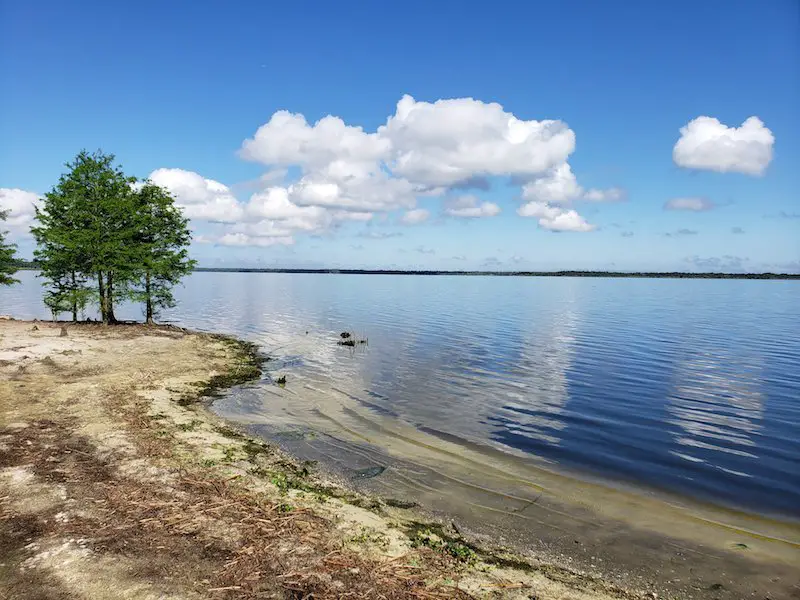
[(191, 425), (370, 537), (440, 542)]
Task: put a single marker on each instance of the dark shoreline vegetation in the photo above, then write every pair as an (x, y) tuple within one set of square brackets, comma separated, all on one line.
[(32, 265), (644, 274), (247, 365)]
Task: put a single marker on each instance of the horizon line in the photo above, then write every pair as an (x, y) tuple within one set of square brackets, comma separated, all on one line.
[(32, 266), (507, 273)]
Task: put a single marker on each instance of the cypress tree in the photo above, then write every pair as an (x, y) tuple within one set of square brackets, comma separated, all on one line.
[(59, 257), (162, 239), (86, 232), (8, 264)]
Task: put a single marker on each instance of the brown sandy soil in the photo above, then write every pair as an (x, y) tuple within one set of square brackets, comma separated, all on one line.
[(116, 483)]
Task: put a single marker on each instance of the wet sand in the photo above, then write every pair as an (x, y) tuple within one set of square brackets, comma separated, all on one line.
[(629, 536)]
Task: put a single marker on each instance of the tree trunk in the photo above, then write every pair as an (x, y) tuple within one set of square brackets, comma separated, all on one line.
[(101, 290), (110, 297), (148, 300), (74, 300)]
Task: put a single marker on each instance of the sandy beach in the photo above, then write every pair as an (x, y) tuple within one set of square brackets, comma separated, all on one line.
[(117, 482)]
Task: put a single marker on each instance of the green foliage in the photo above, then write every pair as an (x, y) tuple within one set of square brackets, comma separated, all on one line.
[(99, 239), (282, 482), (85, 232), (162, 238), (8, 265), (191, 425), (71, 297), (435, 541), (369, 536), (57, 254)]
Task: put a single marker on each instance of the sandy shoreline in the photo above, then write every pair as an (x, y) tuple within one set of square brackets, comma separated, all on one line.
[(116, 482), (625, 535)]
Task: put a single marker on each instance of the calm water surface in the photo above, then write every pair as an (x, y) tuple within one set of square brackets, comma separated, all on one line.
[(691, 386)]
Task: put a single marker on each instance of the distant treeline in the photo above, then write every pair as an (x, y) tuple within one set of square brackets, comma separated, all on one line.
[(29, 265), (33, 265), (644, 274)]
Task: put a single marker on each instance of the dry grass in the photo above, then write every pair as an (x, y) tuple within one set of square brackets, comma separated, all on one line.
[(228, 540), (271, 545)]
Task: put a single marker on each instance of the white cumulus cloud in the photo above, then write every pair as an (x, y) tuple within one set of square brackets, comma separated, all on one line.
[(262, 214), (341, 172), (287, 139), (259, 233), (451, 141), (325, 173), (550, 195), (200, 198), (424, 149), (273, 204), (364, 192), (20, 205), (709, 145), (470, 207), (568, 220), (555, 218), (341, 165), (559, 186)]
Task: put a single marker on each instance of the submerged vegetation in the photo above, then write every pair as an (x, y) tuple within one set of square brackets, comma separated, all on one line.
[(245, 365), (351, 342), (348, 338)]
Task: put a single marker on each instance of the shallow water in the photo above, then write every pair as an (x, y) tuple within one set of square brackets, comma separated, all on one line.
[(686, 386)]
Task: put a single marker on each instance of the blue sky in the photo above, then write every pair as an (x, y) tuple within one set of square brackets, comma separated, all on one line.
[(176, 89)]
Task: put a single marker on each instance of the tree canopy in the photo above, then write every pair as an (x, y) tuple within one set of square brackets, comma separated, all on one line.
[(8, 264), (101, 238), (162, 236)]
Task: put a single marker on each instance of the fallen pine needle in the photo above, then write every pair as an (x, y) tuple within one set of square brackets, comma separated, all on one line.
[(224, 589), (506, 586)]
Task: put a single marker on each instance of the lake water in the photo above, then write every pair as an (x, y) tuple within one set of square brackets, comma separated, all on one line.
[(686, 386)]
